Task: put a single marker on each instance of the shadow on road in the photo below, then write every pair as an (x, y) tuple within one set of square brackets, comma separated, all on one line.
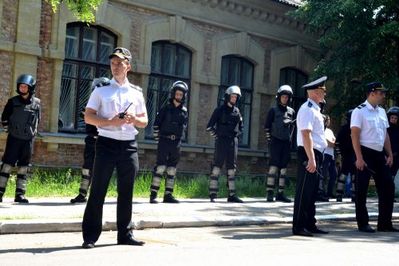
[(338, 232), (42, 250)]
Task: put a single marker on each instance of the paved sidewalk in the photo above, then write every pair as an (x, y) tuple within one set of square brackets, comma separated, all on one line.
[(58, 215)]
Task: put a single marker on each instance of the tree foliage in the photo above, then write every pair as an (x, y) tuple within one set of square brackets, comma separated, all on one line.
[(83, 10), (359, 43)]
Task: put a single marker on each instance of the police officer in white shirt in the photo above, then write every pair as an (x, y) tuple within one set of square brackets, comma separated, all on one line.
[(372, 147), (311, 144), (116, 110)]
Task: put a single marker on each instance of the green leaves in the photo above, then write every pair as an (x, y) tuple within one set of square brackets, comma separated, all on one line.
[(359, 43), (83, 10)]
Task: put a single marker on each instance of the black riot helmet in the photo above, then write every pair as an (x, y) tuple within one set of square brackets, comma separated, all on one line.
[(28, 80), (394, 110), (181, 86), (232, 90), (284, 90)]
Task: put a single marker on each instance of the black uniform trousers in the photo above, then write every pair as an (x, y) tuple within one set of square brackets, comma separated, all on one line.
[(110, 154), (89, 152), (168, 151), (306, 192), (376, 167), (279, 153), (17, 151), (226, 149)]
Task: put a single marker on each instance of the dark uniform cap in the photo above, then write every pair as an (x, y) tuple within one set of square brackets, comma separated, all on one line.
[(375, 86), (122, 53), (318, 83)]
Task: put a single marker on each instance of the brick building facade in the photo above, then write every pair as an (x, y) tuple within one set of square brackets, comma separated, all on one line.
[(254, 33)]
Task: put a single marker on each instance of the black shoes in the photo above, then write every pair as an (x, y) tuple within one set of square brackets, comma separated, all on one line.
[(387, 229), (234, 199), (302, 232), (153, 198), (21, 199), (366, 229), (318, 231), (281, 197), (88, 244), (269, 197), (79, 199), (168, 198), (131, 241), (212, 197), (322, 198)]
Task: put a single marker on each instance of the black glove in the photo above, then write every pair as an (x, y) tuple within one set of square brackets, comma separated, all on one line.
[(211, 131), (268, 135)]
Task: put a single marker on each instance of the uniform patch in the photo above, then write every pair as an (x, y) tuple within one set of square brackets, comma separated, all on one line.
[(310, 104), (361, 106)]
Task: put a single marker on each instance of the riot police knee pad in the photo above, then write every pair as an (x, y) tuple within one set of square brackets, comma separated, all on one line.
[(6, 168), (215, 171), (273, 170), (171, 171), (160, 169)]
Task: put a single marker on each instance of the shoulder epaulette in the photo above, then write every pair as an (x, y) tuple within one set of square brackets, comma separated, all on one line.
[(310, 104), (101, 82), (361, 106), (136, 87)]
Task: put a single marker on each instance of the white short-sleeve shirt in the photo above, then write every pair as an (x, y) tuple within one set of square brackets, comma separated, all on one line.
[(331, 138), (373, 124), (113, 99), (310, 118)]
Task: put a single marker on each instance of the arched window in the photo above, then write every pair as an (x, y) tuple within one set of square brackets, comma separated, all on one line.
[(86, 57), (169, 63), (239, 71), (296, 79)]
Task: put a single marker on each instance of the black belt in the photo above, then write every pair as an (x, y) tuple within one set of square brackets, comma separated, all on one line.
[(171, 137)]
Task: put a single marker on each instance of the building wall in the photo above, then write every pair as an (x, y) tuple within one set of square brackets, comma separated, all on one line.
[(32, 40)]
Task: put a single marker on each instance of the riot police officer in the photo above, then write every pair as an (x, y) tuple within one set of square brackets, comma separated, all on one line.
[(393, 131), (169, 126), (225, 125), (89, 152), (279, 128), (20, 118)]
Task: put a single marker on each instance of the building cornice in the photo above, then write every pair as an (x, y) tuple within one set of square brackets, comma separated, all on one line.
[(263, 18), (270, 12)]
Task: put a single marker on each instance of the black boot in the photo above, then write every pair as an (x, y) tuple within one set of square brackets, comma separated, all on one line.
[(234, 199), (269, 197), (153, 197), (212, 197), (21, 199), (168, 198), (281, 197), (79, 199)]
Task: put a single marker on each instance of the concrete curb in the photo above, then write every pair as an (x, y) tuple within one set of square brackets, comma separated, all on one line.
[(42, 226)]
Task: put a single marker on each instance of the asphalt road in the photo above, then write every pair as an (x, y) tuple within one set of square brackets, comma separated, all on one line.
[(244, 245)]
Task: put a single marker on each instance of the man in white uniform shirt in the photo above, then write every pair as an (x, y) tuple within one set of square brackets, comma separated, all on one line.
[(373, 151), (311, 144), (116, 110)]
